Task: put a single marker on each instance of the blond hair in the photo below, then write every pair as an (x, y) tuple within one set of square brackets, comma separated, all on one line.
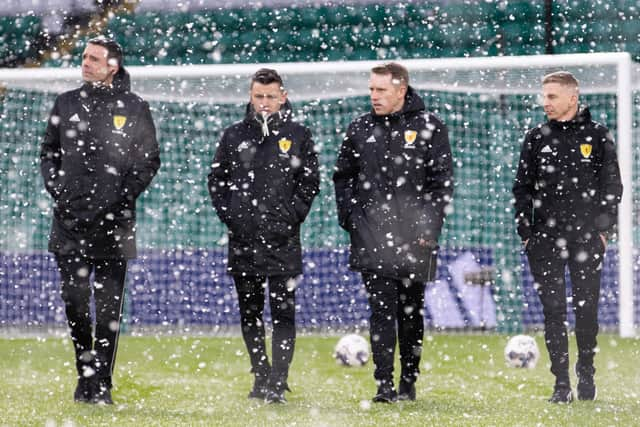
[(564, 78)]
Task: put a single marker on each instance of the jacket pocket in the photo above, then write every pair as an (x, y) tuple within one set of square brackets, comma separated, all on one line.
[(287, 211), (73, 198), (355, 218), (236, 221), (278, 228)]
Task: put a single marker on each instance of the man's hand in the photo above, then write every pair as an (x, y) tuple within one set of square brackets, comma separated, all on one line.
[(604, 240), (427, 243), (525, 243)]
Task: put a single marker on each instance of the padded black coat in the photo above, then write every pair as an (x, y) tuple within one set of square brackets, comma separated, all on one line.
[(98, 155), (568, 181), (393, 180), (262, 188)]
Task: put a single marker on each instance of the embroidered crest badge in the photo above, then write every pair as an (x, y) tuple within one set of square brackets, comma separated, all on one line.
[(284, 144), (119, 121), (410, 136)]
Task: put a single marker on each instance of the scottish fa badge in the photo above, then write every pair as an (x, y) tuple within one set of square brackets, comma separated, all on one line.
[(410, 138), (119, 121), (585, 150), (285, 145)]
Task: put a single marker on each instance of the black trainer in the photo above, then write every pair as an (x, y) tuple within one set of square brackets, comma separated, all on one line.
[(259, 390), (407, 391), (83, 390), (102, 393), (275, 392), (274, 396), (386, 393), (561, 394), (586, 386)]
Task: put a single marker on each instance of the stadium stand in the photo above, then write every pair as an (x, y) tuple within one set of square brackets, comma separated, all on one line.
[(16, 38), (366, 31), (199, 34)]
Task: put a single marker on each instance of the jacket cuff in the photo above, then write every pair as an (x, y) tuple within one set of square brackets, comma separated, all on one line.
[(606, 222), (525, 232)]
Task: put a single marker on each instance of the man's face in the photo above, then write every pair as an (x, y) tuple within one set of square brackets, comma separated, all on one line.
[(559, 101), (96, 67), (267, 98), (386, 96)]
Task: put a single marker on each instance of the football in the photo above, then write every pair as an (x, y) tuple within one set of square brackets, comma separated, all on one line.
[(352, 350), (521, 351)]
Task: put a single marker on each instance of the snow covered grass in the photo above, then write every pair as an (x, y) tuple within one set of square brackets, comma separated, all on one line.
[(203, 381)]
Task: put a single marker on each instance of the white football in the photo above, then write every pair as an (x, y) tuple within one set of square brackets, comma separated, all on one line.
[(352, 350), (521, 351)]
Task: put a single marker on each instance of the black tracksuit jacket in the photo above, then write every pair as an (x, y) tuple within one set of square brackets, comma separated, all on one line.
[(98, 155), (262, 188), (393, 179), (568, 181)]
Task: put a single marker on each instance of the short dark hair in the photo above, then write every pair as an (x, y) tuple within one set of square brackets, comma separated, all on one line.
[(397, 71), (267, 76), (114, 50)]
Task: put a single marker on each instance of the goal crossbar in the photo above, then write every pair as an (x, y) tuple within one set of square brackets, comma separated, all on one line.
[(226, 83)]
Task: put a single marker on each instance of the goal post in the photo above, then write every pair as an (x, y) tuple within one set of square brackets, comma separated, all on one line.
[(487, 103), (624, 90)]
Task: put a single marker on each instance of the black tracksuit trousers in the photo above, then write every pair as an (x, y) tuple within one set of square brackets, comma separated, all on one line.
[(251, 291), (548, 257), (397, 313), (93, 355)]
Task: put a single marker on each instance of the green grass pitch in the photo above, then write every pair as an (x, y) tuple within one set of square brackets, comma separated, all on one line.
[(204, 381)]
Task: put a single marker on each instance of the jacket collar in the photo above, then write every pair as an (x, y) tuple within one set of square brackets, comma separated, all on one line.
[(121, 83), (583, 115), (270, 123), (412, 103)]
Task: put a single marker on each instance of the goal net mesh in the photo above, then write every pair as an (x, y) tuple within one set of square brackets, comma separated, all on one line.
[(179, 277)]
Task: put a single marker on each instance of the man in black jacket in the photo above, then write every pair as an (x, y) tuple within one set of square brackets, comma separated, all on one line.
[(98, 155), (263, 180), (567, 191), (393, 180)]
